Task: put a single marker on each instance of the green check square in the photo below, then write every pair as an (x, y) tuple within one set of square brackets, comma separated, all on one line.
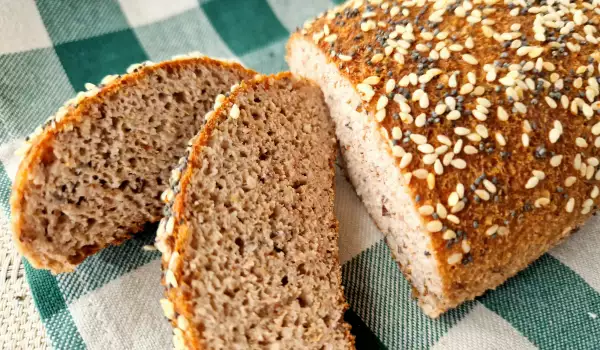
[(33, 85), (91, 59), (70, 20), (245, 25), (268, 59)]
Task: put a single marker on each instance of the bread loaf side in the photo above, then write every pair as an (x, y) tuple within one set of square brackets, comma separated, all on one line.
[(470, 129)]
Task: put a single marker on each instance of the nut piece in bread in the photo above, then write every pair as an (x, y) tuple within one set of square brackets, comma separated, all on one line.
[(93, 174), (470, 129), (249, 244)]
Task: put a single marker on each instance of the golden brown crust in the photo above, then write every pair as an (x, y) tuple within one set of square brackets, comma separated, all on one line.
[(40, 145), (177, 240), (523, 217)]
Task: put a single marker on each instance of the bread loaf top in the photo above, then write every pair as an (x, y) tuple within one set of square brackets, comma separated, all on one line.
[(491, 111)]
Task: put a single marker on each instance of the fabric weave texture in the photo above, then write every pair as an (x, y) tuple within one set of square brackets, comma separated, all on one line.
[(50, 48)]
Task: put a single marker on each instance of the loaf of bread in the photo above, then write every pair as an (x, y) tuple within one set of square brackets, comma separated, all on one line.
[(470, 129), (249, 242), (93, 174)]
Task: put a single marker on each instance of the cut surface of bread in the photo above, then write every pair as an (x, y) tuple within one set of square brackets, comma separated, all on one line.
[(463, 128), (94, 173), (250, 244)]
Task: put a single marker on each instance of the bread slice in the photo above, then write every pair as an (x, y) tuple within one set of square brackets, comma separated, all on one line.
[(464, 128), (93, 173), (250, 241)]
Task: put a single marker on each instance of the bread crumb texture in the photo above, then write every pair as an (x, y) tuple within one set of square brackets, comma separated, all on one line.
[(491, 110), (93, 173), (250, 238)]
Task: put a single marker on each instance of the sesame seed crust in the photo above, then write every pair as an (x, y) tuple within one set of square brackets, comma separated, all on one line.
[(507, 87)]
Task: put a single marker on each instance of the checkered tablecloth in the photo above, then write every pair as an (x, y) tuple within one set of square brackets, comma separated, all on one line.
[(50, 48)]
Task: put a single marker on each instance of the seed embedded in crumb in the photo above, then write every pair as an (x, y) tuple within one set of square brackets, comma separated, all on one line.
[(234, 113)]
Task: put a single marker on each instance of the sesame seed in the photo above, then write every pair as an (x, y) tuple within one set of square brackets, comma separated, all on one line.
[(554, 135), (570, 181), (577, 162), (453, 199), (455, 258), (441, 210), (500, 139), (434, 226), (458, 146), (445, 140), (398, 151), (570, 205), (483, 194), (420, 173), (372, 80), (453, 219), (461, 131), (470, 150), (458, 163), (541, 202), (581, 142), (377, 58), (382, 102), (460, 190), (481, 130), (447, 158), (424, 101), (453, 115), (396, 133), (426, 210), (556, 160), (405, 161), (170, 226), (550, 102), (595, 192), (234, 113), (170, 279), (330, 38), (345, 58), (390, 85), (448, 235), (532, 182), (418, 139), (539, 174), (458, 207), (431, 181), (491, 230), (425, 148), (489, 186), (502, 115), (470, 59), (466, 247), (380, 115), (168, 308)]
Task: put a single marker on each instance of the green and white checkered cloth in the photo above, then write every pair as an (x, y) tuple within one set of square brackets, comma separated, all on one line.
[(50, 48)]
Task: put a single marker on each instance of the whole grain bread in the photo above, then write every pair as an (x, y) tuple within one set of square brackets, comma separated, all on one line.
[(250, 239), (93, 174), (470, 129)]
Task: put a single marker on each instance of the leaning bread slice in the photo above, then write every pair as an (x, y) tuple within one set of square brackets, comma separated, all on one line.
[(93, 174), (250, 241), (470, 132)]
